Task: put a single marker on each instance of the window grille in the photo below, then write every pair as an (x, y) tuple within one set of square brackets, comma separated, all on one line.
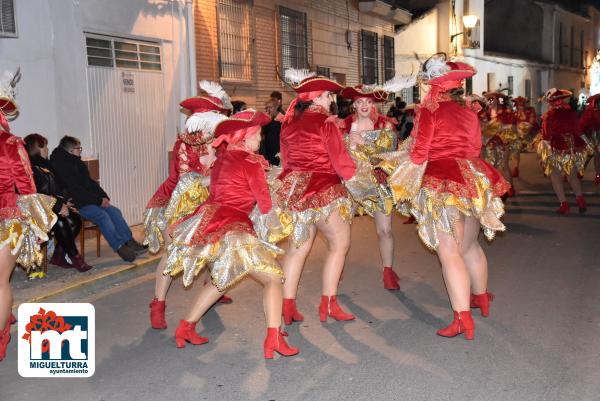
[(369, 58), (294, 41), (8, 22), (122, 53), (236, 39), (388, 58), (324, 71)]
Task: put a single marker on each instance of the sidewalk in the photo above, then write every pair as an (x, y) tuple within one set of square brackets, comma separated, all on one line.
[(59, 280)]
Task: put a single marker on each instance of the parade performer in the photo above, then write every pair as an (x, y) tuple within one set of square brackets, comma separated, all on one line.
[(589, 124), (25, 216), (561, 149), (187, 185), (314, 162), (221, 234), (452, 193), (527, 128), (368, 132), (501, 133)]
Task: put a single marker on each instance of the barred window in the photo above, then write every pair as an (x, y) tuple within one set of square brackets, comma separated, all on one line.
[(324, 71), (122, 53), (388, 58), (8, 23), (236, 39), (294, 41), (369, 58)]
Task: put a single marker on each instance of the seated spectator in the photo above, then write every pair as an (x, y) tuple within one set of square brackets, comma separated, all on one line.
[(68, 225), (91, 200), (270, 133)]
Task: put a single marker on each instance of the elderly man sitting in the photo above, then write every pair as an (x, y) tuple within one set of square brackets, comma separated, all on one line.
[(91, 200)]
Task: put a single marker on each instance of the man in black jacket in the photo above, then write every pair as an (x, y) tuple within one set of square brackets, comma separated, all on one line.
[(270, 133), (91, 200)]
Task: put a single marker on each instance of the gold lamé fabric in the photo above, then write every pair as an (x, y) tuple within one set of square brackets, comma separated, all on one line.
[(21, 231), (370, 195), (563, 161), (406, 177), (191, 191), (230, 259), (592, 140)]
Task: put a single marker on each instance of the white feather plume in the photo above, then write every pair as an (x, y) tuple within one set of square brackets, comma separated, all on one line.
[(400, 82), (204, 122), (6, 89), (435, 67), (298, 75), (216, 90)]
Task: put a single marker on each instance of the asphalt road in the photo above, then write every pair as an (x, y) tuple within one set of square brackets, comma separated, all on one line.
[(539, 343)]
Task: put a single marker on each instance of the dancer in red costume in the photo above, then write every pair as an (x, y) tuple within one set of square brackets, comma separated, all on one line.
[(25, 217), (368, 132), (221, 234), (314, 162), (186, 188), (451, 191), (561, 150), (527, 128), (589, 124)]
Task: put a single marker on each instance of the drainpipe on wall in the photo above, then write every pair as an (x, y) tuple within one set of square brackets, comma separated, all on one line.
[(181, 59), (191, 47)]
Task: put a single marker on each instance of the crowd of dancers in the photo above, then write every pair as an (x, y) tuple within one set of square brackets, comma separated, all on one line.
[(223, 211)]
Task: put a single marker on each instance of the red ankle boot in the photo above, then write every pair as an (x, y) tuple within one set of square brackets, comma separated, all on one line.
[(564, 208), (515, 172), (511, 192), (597, 179), (80, 264), (225, 300), (482, 301), (330, 307), (58, 258), (275, 342), (390, 279), (290, 313), (581, 203), (186, 331), (462, 323), (157, 314), (4, 340)]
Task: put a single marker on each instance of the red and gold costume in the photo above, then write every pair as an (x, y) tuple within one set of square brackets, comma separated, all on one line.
[(561, 148), (25, 216), (220, 231), (589, 123), (501, 131), (189, 172), (526, 120), (439, 169)]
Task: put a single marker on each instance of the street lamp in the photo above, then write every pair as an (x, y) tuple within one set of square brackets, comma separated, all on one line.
[(469, 22)]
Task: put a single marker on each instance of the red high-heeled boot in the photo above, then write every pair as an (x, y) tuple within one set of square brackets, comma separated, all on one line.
[(290, 313), (330, 307), (597, 179), (186, 331), (225, 300), (581, 203), (515, 172), (4, 340), (390, 279), (482, 301), (564, 208), (275, 342), (462, 323), (157, 314)]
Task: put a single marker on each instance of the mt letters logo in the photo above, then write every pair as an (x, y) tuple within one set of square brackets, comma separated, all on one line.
[(57, 340)]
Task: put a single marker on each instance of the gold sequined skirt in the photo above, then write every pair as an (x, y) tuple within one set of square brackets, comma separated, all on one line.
[(562, 161), (20, 228), (191, 191)]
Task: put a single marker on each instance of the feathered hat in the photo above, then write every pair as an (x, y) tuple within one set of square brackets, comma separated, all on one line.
[(239, 126), (521, 101), (379, 93), (309, 85), (9, 110), (215, 100), (437, 70), (204, 122), (554, 94)]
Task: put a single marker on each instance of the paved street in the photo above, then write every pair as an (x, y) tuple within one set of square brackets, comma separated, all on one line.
[(539, 343)]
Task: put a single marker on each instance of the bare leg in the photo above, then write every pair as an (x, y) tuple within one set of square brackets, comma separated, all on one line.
[(516, 159), (208, 295), (337, 233), (557, 185), (162, 282), (474, 257), (505, 169), (575, 183), (7, 265), (272, 297), (383, 224), (293, 263), (454, 269)]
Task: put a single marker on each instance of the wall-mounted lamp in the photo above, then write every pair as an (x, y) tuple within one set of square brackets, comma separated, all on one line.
[(469, 22)]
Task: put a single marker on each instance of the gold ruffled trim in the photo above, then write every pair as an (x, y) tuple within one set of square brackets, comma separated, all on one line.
[(562, 161), (405, 180), (592, 141), (191, 191), (232, 258), (494, 153), (436, 211), (21, 233)]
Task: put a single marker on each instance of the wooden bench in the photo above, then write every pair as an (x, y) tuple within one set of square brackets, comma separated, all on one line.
[(93, 166)]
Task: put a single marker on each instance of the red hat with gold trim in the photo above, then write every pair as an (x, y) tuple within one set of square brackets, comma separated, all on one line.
[(554, 94), (216, 99), (308, 85), (239, 126), (379, 93), (437, 70), (592, 100), (521, 101)]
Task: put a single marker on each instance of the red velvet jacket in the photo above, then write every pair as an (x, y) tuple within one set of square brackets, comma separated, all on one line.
[(16, 177), (557, 123), (506, 116), (450, 132), (185, 158), (314, 143)]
